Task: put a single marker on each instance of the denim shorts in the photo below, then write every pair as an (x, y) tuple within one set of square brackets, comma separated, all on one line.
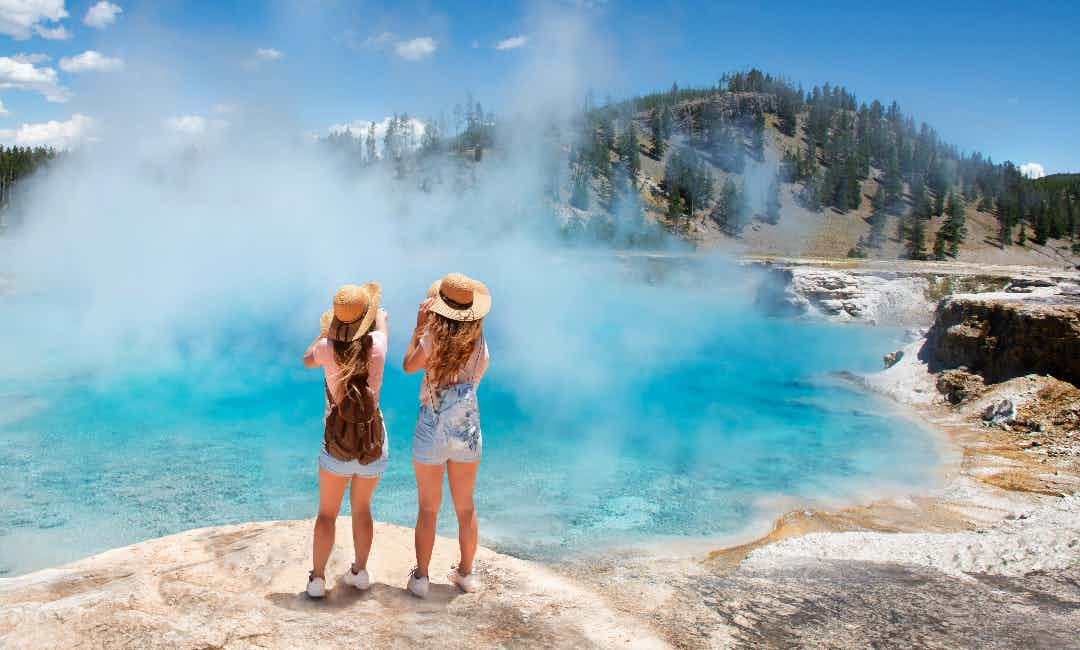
[(451, 430), (353, 467)]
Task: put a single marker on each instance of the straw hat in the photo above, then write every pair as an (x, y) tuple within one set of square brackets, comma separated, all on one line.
[(324, 322), (459, 297), (353, 312)]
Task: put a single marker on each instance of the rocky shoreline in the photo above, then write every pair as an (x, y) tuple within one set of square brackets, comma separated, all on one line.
[(1001, 534)]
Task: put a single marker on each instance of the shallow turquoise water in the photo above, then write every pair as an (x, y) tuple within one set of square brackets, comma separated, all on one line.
[(633, 415)]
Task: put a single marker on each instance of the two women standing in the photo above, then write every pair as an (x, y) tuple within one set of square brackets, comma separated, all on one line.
[(448, 345)]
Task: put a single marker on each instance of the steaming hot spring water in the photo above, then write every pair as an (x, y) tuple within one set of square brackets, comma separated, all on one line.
[(636, 412)]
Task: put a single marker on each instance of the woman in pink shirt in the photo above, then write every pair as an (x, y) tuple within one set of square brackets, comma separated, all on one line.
[(352, 352)]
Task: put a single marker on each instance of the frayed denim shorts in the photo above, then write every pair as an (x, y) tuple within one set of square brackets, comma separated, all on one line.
[(451, 430), (353, 467)]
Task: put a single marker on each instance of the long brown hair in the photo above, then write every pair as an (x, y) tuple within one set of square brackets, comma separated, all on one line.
[(453, 342), (352, 360)]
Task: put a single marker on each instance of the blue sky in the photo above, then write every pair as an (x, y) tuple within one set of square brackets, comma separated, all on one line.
[(999, 77)]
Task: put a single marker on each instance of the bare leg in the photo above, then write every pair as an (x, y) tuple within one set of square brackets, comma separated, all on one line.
[(462, 481), (362, 527), (429, 495), (331, 489)]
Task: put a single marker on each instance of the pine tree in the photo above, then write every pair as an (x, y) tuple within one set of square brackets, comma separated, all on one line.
[(1021, 237), (772, 203), (369, 144), (579, 194), (955, 224), (893, 182), (939, 203), (431, 141), (941, 244), (878, 219), (757, 137), (726, 212), (916, 239), (628, 152), (854, 185), (788, 115), (675, 210), (1042, 225), (657, 128)]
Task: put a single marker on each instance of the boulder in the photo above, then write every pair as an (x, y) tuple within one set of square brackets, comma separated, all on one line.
[(999, 411), (891, 358), (959, 385)]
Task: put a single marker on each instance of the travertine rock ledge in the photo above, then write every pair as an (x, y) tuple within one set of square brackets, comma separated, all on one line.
[(242, 586), (1001, 336)]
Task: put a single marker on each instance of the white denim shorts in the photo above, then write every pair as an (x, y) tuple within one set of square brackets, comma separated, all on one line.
[(353, 467), (451, 430)]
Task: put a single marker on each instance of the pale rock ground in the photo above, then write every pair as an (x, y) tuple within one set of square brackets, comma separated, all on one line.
[(1045, 538), (243, 586)]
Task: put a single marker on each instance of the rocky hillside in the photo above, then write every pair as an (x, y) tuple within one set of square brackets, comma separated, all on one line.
[(758, 165)]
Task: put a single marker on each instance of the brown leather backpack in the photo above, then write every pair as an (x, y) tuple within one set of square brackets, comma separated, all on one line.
[(354, 430)]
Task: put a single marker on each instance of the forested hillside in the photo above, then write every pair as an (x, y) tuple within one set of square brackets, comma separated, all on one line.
[(755, 163), (758, 162)]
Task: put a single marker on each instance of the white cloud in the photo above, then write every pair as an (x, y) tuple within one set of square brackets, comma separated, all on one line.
[(102, 15), (268, 54), (19, 17), (4, 112), (30, 58), (19, 74), (350, 39), (90, 61), (189, 124), (416, 49), (512, 43), (192, 125), (1032, 170), (263, 55), (58, 33), (61, 135)]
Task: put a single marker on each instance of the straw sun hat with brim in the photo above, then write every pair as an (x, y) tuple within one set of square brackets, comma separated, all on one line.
[(353, 312), (459, 297)]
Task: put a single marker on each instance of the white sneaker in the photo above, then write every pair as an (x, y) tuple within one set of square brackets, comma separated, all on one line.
[(360, 580), (468, 584), (316, 587), (418, 586)]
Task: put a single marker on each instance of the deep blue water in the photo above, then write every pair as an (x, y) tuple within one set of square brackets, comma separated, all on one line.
[(657, 413)]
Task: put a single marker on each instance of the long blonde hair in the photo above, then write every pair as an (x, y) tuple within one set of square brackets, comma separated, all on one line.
[(352, 360), (453, 342)]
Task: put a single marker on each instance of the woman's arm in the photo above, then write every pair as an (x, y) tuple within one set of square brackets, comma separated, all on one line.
[(415, 356), (382, 323)]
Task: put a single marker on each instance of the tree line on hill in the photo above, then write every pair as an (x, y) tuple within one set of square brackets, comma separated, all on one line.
[(17, 163), (708, 143), (843, 144)]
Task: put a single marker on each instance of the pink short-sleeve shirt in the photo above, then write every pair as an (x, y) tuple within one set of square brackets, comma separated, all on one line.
[(324, 356)]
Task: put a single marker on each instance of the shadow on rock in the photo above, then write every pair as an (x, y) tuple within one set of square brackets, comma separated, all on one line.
[(344, 597)]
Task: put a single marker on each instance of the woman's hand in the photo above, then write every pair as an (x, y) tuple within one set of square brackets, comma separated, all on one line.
[(422, 313)]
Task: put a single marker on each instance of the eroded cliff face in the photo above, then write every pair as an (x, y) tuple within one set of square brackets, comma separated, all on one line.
[(1000, 336), (843, 295)]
